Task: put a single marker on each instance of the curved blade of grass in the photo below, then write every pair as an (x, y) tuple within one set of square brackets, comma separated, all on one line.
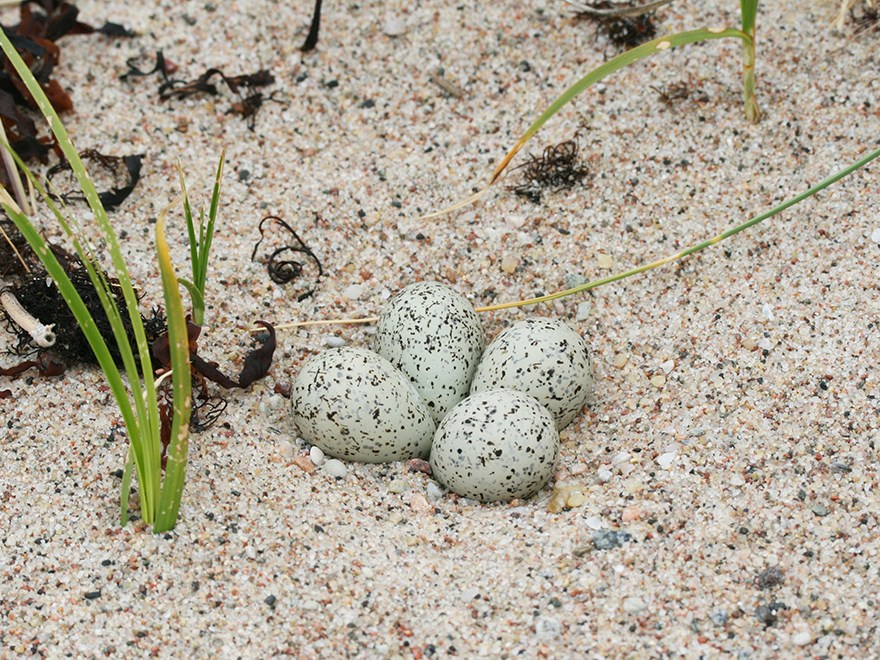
[(126, 488), (175, 467), (614, 64), (702, 245), (145, 406), (198, 301)]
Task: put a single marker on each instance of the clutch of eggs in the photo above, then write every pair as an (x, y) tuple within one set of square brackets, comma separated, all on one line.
[(498, 443)]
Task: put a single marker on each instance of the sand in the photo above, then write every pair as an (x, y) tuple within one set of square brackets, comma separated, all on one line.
[(723, 480)]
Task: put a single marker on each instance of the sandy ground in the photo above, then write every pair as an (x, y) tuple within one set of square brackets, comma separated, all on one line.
[(727, 508)]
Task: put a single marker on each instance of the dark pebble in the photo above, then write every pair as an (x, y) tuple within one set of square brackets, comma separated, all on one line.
[(769, 577), (605, 539), (91, 595), (767, 614), (270, 600), (821, 510)]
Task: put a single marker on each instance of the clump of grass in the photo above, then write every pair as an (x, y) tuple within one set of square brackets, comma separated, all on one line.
[(138, 405), (200, 240)]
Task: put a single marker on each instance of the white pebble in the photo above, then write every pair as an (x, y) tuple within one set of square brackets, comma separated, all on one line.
[(802, 638), (316, 454), (547, 628), (335, 468), (353, 292), (634, 604), (668, 366), (620, 457), (875, 235), (394, 26), (665, 460), (767, 312), (433, 491), (594, 522), (332, 341), (276, 401), (603, 475), (765, 343), (583, 311)]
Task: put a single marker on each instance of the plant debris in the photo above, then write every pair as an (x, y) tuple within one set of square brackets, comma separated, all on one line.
[(625, 24), (315, 27), (557, 168), (42, 23), (678, 92), (38, 295), (120, 168), (866, 18), (284, 271), (245, 86)]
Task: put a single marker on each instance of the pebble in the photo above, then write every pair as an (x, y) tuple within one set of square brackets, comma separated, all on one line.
[(583, 311), (606, 539), (509, 264), (634, 605), (875, 235), (820, 510), (335, 468), (719, 618), (433, 491), (573, 279), (620, 360), (802, 638), (353, 292), (397, 486), (394, 26), (605, 261), (593, 522), (316, 455), (665, 460), (304, 464), (604, 475), (631, 514), (334, 341), (658, 381), (420, 504), (547, 627)]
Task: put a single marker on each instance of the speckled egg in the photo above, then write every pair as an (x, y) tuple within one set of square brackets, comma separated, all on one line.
[(354, 405), (543, 357), (431, 333), (495, 446)]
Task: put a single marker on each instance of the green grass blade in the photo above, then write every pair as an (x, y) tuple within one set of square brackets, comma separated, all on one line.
[(749, 11), (198, 301), (175, 467), (702, 245), (125, 491), (147, 409), (646, 49), (208, 238)]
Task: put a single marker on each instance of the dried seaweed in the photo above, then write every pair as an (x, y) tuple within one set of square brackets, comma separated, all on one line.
[(245, 86), (282, 271), (866, 18), (558, 168), (42, 23), (16, 256), (315, 27), (125, 169), (38, 294), (679, 92), (625, 25)]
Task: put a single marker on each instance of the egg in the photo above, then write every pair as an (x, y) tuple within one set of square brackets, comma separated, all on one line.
[(354, 405), (495, 446), (543, 357), (431, 333)]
